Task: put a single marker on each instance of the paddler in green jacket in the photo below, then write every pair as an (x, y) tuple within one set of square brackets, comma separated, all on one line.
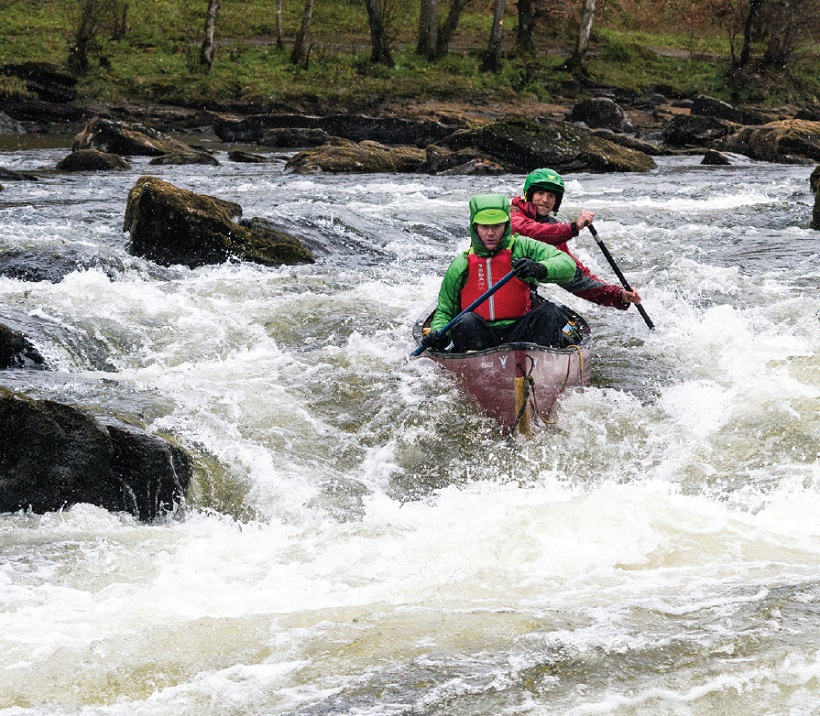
[(509, 314)]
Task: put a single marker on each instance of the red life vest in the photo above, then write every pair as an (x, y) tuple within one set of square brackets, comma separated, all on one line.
[(512, 300)]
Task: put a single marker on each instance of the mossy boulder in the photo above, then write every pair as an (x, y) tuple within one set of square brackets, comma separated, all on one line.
[(790, 141), (344, 156), (124, 138), (53, 456), (521, 145), (92, 160), (170, 225)]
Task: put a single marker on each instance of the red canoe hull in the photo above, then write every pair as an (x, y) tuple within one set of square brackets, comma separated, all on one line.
[(502, 379)]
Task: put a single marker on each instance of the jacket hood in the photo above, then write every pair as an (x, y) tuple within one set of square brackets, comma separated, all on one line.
[(489, 209)]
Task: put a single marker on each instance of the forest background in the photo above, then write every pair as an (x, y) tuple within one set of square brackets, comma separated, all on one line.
[(325, 55)]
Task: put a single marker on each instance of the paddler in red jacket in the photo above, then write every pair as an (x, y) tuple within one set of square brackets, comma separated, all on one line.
[(532, 216)]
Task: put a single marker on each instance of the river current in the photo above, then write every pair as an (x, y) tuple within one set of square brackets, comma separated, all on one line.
[(358, 538)]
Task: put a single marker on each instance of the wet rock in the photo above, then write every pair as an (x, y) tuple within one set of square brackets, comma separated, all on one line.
[(127, 139), (814, 180), (475, 167), (296, 137), (45, 117), (440, 159), (790, 141), (49, 82), (170, 225), (355, 127), (344, 156), (9, 125), (600, 113), (17, 351), (704, 106), (639, 145), (237, 155), (715, 159), (692, 131), (44, 264), (522, 144), (179, 158), (12, 175), (92, 160), (53, 456)]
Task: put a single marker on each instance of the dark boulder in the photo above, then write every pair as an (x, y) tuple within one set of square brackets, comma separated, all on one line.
[(639, 145), (814, 182), (293, 137), (343, 156), (17, 351), (693, 131), (53, 264), (124, 138), (49, 82), (237, 155), (790, 141), (13, 175), (170, 225), (92, 160), (523, 144), (53, 456), (440, 159), (600, 113), (475, 167), (9, 125), (703, 106), (191, 157), (355, 127), (715, 159)]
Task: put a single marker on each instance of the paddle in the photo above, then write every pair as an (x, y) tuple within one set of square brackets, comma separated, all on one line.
[(618, 273), (475, 304)]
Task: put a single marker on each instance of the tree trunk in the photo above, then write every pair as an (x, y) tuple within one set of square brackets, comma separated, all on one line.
[(526, 25), (87, 28), (492, 57), (297, 55), (428, 26), (576, 60), (448, 27), (206, 55), (280, 43), (749, 29), (379, 41)]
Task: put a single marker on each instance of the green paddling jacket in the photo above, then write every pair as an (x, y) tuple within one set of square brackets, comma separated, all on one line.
[(560, 266)]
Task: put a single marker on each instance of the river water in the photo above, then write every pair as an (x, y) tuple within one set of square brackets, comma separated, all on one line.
[(359, 539)]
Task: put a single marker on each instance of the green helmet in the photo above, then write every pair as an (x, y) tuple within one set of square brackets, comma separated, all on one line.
[(545, 179), (489, 209)]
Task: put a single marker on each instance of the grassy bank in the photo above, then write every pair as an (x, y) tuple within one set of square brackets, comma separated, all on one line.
[(158, 58)]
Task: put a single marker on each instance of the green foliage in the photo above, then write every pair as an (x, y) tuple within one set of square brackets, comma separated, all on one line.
[(158, 60)]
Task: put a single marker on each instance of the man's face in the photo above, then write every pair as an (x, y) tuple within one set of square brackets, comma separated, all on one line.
[(491, 234), (544, 201)]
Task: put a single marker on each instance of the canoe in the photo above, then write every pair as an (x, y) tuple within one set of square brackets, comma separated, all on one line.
[(518, 384)]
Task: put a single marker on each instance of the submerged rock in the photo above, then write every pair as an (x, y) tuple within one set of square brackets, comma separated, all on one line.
[(170, 225), (53, 456), (17, 351), (715, 159)]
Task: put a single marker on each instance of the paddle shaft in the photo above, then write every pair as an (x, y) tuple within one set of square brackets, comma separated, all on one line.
[(475, 304), (620, 275)]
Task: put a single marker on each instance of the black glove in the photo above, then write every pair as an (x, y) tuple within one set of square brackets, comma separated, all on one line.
[(527, 268), (436, 341)]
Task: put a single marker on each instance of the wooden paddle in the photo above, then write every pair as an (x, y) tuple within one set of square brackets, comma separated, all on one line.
[(475, 304), (620, 276)]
